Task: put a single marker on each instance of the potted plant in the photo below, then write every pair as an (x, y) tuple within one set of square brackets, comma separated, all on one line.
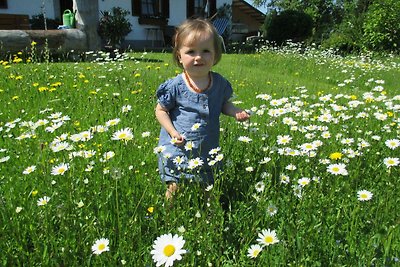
[(114, 26)]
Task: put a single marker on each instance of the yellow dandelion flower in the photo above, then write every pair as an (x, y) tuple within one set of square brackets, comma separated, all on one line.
[(150, 209), (335, 156)]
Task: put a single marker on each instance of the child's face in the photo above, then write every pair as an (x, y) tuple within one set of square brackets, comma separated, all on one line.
[(197, 58)]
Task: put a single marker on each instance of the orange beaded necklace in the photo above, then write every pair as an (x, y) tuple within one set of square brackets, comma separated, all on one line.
[(193, 87)]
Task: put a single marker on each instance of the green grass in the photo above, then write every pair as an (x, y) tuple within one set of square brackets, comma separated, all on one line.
[(320, 224)]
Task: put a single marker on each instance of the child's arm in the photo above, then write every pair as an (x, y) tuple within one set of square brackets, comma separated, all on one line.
[(231, 110), (165, 121)]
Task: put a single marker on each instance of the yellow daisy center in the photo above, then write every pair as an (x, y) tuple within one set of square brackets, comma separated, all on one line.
[(169, 250), (268, 239), (102, 247), (363, 196), (335, 169)]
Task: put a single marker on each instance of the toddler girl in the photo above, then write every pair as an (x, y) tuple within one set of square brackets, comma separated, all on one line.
[(190, 104)]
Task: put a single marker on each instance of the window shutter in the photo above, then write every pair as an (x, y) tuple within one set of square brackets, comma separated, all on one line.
[(136, 10), (213, 7), (165, 8), (3, 3), (189, 8)]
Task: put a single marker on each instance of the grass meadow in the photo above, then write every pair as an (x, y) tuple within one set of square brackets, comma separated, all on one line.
[(317, 164)]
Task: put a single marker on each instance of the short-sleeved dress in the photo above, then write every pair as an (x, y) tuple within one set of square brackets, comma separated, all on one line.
[(196, 117)]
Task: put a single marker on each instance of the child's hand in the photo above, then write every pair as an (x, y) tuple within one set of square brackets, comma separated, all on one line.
[(242, 116), (177, 139)]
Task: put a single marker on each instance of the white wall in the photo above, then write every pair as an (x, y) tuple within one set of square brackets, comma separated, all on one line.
[(32, 7), (52, 9)]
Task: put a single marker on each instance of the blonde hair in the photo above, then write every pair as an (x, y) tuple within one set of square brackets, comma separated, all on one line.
[(195, 28)]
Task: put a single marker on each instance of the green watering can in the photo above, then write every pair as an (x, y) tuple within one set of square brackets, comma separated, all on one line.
[(68, 18)]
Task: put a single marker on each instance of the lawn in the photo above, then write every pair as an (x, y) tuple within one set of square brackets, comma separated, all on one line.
[(312, 179)]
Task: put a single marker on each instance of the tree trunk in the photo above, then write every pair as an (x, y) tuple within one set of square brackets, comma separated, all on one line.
[(87, 19)]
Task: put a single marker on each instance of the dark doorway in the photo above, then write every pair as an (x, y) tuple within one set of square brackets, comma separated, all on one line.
[(65, 4)]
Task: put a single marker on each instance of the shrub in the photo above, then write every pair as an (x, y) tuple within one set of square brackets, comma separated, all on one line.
[(114, 26), (341, 42), (289, 24), (37, 23), (382, 27)]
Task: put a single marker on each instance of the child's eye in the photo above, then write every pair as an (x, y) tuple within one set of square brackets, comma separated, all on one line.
[(190, 52)]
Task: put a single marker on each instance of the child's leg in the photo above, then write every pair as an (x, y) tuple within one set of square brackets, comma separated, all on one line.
[(172, 187)]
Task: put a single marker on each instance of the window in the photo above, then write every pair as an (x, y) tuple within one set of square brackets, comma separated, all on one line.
[(150, 8), (201, 8), (3, 3)]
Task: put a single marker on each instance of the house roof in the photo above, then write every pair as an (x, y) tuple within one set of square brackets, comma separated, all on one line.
[(250, 10)]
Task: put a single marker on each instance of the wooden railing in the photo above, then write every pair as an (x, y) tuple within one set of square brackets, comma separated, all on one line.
[(14, 22)]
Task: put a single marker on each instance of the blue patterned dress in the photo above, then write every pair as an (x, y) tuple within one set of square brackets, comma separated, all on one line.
[(196, 116)]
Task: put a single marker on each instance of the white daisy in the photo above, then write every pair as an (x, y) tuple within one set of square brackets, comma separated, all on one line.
[(283, 139), (123, 135), (126, 108), (4, 159), (245, 139), (364, 195), (145, 134), (59, 146), (337, 169), (392, 143), (303, 181), (253, 251), (196, 162), (260, 186), (195, 126), (272, 209), (189, 145), (43, 201), (178, 160), (219, 157), (29, 169), (112, 122), (249, 169), (108, 155), (390, 162), (167, 249), (100, 246), (60, 169), (291, 167), (214, 151), (265, 160), (267, 237), (285, 179), (86, 135), (159, 149)]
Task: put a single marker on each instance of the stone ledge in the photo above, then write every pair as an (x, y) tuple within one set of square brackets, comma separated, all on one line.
[(59, 41)]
